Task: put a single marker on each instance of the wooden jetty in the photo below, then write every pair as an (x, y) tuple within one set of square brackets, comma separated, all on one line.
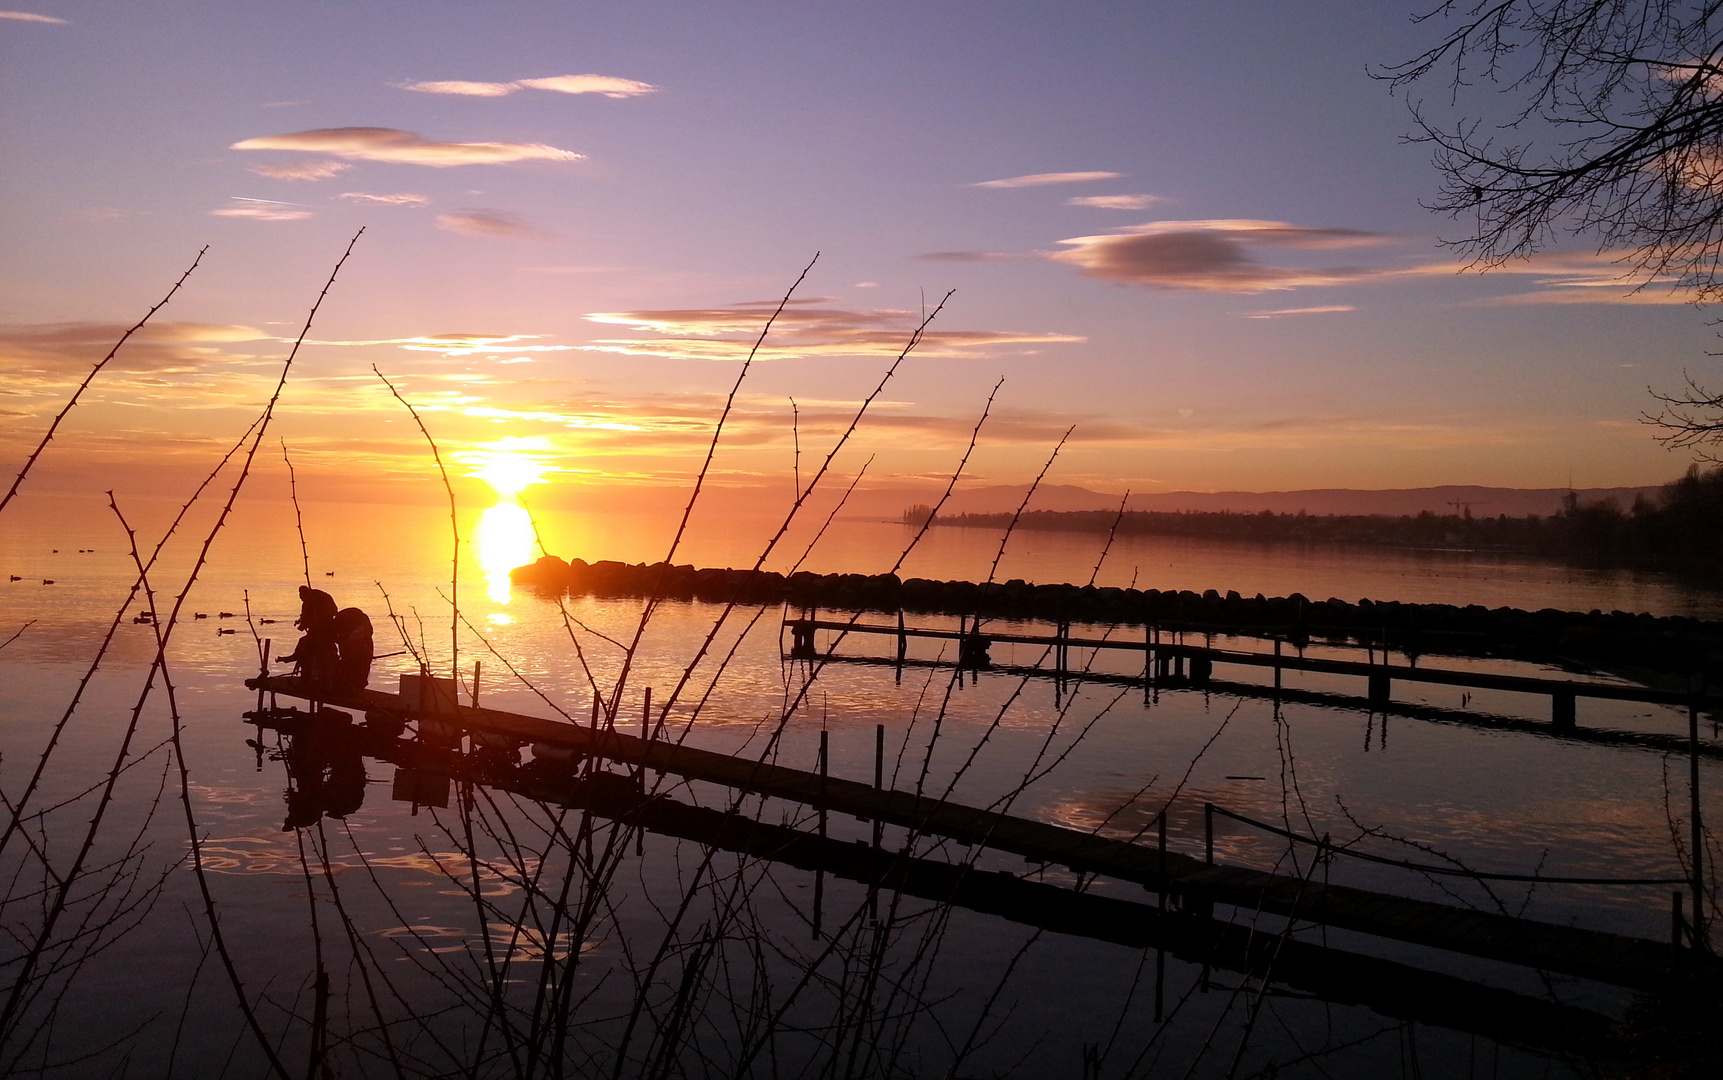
[(1177, 662), (1389, 988), (1657, 741), (1610, 958)]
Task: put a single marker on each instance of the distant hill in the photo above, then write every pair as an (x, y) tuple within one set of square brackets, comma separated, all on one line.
[(1484, 501)]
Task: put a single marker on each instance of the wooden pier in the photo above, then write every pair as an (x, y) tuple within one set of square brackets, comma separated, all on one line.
[(1387, 987), (1596, 735), (1179, 663), (1193, 883)]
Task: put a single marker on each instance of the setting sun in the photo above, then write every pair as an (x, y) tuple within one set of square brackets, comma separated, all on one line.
[(511, 465)]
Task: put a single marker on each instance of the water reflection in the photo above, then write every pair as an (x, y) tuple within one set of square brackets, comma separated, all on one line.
[(504, 536), (504, 540)]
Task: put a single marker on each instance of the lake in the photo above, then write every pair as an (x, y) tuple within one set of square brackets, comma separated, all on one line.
[(503, 937)]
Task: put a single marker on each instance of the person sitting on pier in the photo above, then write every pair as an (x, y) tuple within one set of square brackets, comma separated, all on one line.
[(316, 609), (352, 633), (317, 654)]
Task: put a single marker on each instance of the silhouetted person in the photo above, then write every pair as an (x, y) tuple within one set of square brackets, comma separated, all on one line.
[(316, 609), (352, 633), (316, 654)]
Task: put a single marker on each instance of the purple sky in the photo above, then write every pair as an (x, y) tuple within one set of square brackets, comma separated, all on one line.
[(1192, 231)]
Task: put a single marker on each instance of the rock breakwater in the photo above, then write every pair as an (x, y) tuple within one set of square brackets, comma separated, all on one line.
[(1615, 640)]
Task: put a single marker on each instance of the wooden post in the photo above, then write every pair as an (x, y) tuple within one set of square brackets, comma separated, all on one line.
[(878, 773), (476, 669), (1161, 924), (1208, 833), (878, 785), (1696, 828), (820, 875), (1676, 923), (1562, 710), (1277, 669), (1148, 654), (1380, 690), (646, 718), (263, 672)]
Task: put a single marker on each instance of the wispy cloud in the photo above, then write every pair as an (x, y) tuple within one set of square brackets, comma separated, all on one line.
[(263, 210), (1115, 202), (1326, 309), (969, 256), (387, 200), (489, 223), (304, 170), (1608, 277), (462, 87), (1213, 256), (67, 349), (606, 85), (1040, 179), (462, 344), (404, 147), (30, 16), (727, 333)]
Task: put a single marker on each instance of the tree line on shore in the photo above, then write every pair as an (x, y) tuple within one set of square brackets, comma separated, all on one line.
[(1681, 528)]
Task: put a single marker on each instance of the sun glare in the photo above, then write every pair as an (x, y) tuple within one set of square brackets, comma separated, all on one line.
[(510, 466), (504, 540), (504, 537)]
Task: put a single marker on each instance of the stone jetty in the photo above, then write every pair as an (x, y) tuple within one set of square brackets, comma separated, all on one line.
[(1621, 641)]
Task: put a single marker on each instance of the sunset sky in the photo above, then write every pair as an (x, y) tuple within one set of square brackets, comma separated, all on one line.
[(1193, 231)]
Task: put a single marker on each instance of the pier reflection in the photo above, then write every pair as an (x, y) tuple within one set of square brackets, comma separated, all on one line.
[(1168, 926)]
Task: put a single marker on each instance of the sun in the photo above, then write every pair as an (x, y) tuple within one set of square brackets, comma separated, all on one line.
[(511, 465), (504, 537)]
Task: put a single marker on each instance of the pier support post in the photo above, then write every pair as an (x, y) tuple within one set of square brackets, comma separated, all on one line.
[(1208, 833), (1381, 689), (820, 875), (1202, 669), (1695, 824), (1562, 710), (802, 640), (1161, 920)]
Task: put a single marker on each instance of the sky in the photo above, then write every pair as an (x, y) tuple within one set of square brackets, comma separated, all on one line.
[(1193, 235)]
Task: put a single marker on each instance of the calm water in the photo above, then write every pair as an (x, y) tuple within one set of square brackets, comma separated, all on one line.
[(392, 893)]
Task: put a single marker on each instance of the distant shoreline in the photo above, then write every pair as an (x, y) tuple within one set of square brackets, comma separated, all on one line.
[(1679, 533)]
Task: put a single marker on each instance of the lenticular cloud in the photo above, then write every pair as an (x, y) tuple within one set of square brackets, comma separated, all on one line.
[(404, 147)]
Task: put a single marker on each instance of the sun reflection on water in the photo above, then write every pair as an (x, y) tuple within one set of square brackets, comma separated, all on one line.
[(504, 539)]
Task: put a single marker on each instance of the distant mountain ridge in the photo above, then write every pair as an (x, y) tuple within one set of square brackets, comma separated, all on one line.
[(1483, 501)]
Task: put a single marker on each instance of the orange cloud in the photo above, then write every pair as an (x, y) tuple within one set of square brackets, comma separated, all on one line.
[(487, 223), (803, 330), (28, 16), (1324, 310), (50, 351), (1039, 179), (305, 170), (386, 200), (263, 210), (467, 89), (607, 85), (1115, 202), (404, 147)]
